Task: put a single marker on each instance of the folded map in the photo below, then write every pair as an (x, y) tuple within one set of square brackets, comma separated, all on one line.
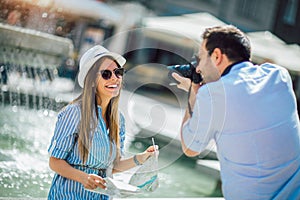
[(115, 188)]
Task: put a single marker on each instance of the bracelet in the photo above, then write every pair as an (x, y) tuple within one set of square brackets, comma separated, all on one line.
[(136, 161)]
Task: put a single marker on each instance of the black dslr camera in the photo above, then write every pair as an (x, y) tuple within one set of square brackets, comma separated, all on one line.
[(186, 70)]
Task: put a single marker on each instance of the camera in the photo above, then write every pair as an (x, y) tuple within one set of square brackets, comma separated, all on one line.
[(186, 70)]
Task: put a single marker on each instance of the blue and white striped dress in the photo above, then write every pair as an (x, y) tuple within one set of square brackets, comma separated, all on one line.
[(65, 146)]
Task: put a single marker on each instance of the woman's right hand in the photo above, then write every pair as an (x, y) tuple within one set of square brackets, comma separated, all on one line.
[(92, 181), (150, 151)]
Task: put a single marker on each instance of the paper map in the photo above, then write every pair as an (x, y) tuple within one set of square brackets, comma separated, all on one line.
[(117, 188)]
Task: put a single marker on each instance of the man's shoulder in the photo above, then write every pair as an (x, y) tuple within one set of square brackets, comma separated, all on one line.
[(276, 72), (272, 66)]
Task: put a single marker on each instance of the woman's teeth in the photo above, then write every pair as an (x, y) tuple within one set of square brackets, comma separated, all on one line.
[(112, 86)]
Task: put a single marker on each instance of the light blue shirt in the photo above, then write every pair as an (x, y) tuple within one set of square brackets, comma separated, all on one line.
[(65, 146), (251, 114)]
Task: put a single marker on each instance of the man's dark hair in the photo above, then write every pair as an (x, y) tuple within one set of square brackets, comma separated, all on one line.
[(230, 40)]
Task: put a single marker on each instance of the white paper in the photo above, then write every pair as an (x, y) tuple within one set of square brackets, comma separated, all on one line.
[(115, 188)]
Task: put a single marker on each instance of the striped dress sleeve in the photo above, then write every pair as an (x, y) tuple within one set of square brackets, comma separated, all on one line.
[(64, 134)]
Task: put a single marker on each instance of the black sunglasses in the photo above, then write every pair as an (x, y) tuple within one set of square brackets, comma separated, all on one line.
[(106, 74)]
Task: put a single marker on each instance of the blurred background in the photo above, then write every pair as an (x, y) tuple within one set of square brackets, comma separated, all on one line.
[(43, 40)]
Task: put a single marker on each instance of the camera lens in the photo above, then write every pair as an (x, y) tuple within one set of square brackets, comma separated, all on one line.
[(186, 70)]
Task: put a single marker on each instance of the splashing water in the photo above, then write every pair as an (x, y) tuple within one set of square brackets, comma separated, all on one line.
[(24, 136)]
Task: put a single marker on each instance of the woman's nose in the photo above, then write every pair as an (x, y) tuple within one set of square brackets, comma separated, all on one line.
[(114, 76)]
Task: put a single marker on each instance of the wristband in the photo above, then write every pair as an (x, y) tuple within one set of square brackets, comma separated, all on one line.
[(136, 161)]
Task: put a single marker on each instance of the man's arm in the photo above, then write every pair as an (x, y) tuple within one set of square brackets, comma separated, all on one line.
[(192, 88)]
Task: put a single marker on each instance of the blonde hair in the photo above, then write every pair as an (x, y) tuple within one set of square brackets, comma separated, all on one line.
[(89, 113)]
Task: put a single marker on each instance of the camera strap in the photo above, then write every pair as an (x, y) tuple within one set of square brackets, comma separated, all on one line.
[(189, 105)]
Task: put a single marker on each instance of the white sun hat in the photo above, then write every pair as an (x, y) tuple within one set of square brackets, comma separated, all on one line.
[(91, 56)]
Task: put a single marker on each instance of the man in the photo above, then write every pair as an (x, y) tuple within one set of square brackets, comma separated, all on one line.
[(250, 112)]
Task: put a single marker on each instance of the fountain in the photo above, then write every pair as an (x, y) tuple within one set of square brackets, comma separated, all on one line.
[(29, 62)]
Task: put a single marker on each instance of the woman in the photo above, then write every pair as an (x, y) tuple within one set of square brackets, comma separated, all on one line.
[(89, 133)]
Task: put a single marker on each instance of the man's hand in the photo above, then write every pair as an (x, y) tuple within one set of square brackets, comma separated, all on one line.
[(184, 83)]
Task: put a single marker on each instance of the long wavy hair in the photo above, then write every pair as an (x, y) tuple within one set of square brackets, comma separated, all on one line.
[(89, 113)]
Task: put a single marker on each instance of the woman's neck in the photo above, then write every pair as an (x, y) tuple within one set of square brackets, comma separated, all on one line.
[(103, 103)]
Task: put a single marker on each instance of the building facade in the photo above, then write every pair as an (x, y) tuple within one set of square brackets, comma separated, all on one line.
[(281, 17)]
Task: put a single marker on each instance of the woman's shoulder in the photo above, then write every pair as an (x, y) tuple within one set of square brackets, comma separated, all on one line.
[(70, 109)]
